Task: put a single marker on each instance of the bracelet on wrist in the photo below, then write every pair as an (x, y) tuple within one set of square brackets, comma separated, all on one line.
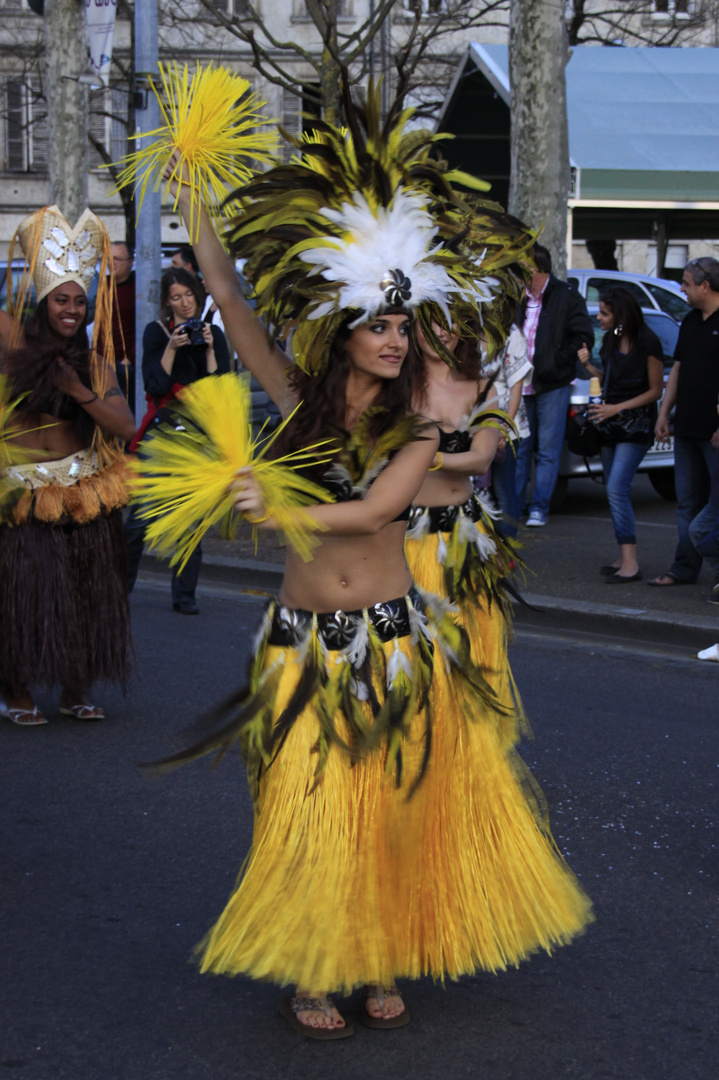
[(258, 520), (90, 400)]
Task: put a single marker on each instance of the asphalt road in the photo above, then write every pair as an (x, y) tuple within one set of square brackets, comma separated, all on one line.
[(109, 879)]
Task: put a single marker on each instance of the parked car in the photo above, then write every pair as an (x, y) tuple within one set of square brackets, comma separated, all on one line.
[(658, 463), (652, 294)]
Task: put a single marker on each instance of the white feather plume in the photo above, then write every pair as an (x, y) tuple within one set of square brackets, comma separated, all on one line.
[(357, 260)]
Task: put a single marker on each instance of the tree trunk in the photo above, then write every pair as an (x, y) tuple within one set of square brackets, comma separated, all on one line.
[(65, 61), (539, 183)]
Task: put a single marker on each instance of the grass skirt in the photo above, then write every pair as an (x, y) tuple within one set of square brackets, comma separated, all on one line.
[(475, 587), (350, 880), (64, 616)]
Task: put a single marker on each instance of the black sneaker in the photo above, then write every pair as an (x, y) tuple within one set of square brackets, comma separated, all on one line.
[(713, 597)]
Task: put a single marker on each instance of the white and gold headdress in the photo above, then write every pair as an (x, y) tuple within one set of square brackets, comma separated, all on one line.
[(57, 253)]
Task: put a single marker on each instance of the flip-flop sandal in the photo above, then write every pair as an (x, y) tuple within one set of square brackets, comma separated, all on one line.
[(290, 1006), (83, 712), (381, 1023), (24, 717)]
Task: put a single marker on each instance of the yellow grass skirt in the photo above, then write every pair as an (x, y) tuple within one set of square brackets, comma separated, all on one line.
[(483, 616), (349, 882)]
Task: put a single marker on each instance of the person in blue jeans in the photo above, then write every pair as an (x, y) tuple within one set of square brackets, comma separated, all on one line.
[(693, 386), (704, 528), (633, 377), (556, 325)]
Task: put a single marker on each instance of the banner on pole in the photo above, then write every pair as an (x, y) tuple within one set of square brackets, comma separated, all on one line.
[(100, 30)]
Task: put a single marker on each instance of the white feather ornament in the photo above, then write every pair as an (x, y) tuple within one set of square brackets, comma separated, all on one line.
[(357, 259)]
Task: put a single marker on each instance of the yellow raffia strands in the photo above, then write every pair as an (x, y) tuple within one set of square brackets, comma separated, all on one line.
[(11, 452), (183, 479), (210, 118)]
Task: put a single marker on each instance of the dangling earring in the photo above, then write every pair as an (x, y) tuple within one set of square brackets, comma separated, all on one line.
[(618, 330)]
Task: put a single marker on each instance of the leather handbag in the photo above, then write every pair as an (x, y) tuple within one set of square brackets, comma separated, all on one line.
[(582, 436)]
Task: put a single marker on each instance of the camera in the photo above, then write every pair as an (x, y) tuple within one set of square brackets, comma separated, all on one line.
[(193, 329)]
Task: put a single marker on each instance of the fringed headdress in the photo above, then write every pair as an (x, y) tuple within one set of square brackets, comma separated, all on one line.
[(57, 253), (363, 221)]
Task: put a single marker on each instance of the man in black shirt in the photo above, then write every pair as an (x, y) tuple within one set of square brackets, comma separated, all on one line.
[(693, 385)]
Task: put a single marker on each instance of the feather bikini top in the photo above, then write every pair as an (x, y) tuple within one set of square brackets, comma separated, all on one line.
[(362, 458), (481, 415)]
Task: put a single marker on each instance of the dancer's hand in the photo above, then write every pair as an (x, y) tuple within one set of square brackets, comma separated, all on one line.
[(184, 176), (248, 498)]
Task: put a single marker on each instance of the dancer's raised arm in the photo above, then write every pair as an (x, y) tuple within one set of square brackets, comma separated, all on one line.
[(254, 346)]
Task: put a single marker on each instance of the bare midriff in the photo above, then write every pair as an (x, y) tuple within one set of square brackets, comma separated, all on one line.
[(348, 572), (444, 489), (52, 438)]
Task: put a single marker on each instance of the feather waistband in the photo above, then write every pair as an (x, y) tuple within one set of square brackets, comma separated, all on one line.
[(74, 489), (364, 678), (339, 629)]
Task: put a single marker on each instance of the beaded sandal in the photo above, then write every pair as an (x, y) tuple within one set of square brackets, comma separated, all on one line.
[(290, 1006), (380, 1022)]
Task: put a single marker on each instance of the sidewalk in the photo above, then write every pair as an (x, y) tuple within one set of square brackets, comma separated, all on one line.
[(562, 579)]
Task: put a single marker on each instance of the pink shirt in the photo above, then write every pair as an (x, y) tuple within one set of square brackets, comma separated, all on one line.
[(531, 322)]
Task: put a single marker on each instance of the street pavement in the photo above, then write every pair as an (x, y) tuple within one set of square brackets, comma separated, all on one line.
[(109, 878)]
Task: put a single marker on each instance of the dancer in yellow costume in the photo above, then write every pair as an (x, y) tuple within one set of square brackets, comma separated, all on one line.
[(63, 588), (453, 546), (395, 830)]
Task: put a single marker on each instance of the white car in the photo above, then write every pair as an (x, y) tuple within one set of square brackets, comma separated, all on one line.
[(653, 294)]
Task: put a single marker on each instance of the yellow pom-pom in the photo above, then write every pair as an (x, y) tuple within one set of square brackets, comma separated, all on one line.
[(211, 119), (183, 476)]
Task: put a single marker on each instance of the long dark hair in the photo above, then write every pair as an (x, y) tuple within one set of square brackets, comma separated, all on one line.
[(175, 276), (324, 399), (34, 368), (468, 355), (626, 311)]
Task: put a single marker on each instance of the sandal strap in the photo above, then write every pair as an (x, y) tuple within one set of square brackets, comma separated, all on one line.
[(375, 990), (311, 1004)]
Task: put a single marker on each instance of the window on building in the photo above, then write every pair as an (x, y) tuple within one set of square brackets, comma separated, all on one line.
[(426, 7), (232, 7), (25, 126), (669, 9)]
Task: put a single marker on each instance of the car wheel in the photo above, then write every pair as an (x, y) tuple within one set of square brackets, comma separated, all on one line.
[(662, 480), (559, 494)]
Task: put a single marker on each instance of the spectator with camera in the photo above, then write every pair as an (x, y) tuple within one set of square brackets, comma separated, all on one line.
[(177, 350)]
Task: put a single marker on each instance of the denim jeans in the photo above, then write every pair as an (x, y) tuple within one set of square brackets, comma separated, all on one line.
[(704, 535), (620, 464), (547, 415), (184, 583), (504, 472), (692, 466)]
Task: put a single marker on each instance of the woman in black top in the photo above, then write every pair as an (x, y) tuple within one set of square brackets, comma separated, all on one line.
[(632, 380), (173, 356)]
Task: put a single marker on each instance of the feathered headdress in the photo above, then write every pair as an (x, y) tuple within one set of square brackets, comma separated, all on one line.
[(365, 220)]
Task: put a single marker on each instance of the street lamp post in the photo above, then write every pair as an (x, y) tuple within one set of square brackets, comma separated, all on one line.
[(148, 237)]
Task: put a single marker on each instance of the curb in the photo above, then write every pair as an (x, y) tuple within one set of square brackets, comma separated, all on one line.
[(636, 624), (545, 613)]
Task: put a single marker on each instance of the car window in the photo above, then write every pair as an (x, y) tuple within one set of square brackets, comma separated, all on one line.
[(666, 330), (671, 302), (598, 286)]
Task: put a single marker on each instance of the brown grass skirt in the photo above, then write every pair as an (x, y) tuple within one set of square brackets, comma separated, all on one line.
[(64, 616)]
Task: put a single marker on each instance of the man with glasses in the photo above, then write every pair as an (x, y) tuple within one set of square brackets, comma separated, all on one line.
[(123, 319), (693, 386)]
